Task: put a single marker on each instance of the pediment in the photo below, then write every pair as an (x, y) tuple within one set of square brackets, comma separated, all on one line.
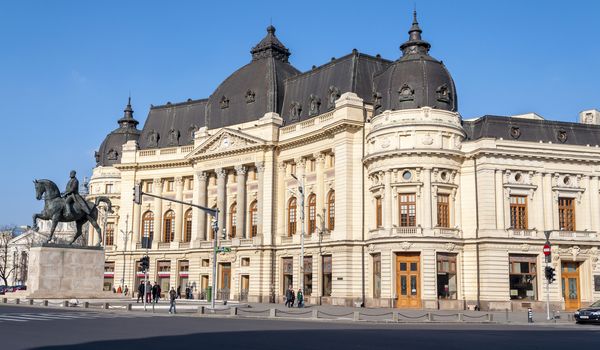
[(225, 141)]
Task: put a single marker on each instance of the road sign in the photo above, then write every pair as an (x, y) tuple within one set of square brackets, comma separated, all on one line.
[(547, 250)]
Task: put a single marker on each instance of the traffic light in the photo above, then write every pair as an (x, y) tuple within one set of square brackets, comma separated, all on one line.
[(137, 194), (550, 274), (145, 262)]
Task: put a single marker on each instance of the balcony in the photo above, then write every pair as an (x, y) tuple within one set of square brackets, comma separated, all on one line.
[(446, 232), (554, 235)]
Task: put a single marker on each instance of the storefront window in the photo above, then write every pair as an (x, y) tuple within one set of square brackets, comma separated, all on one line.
[(446, 276), (327, 280), (307, 275), (377, 276), (288, 273), (523, 277)]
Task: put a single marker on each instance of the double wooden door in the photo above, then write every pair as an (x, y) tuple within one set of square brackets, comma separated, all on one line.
[(570, 285), (408, 280)]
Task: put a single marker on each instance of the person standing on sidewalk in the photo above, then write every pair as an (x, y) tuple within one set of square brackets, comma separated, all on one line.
[(148, 292), (141, 292), (300, 298), (172, 297), (289, 296)]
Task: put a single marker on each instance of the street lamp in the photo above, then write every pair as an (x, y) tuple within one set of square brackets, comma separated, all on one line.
[(125, 234), (301, 192)]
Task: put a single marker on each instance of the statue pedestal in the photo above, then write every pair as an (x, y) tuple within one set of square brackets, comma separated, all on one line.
[(65, 272)]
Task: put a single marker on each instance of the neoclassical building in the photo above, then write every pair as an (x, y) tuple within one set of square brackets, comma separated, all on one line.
[(405, 203)]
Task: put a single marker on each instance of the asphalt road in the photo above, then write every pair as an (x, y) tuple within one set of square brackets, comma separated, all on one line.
[(44, 328)]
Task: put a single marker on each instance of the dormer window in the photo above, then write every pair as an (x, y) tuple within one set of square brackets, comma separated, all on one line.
[(443, 93), (250, 96), (224, 103), (295, 110), (406, 93)]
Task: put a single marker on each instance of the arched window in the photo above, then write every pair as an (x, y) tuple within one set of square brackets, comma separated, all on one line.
[(312, 214), (147, 229), (331, 210), (169, 226), (187, 233), (292, 216), (253, 219), (232, 219)]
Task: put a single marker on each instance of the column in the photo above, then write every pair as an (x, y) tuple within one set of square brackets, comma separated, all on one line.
[(539, 198), (200, 216), (221, 179), (548, 202), (157, 209), (426, 198), (137, 219), (320, 186), (260, 176), (500, 225), (281, 204), (178, 210), (594, 204), (240, 219), (387, 201), (300, 171)]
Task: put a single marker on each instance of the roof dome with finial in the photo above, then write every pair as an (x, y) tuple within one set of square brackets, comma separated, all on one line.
[(416, 79), (110, 150), (254, 89)]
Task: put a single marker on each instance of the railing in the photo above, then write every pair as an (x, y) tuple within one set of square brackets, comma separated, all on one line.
[(520, 233), (184, 245), (147, 153), (168, 151), (187, 149), (407, 231), (287, 240), (244, 295), (288, 129), (223, 294), (246, 241), (164, 245), (574, 234)]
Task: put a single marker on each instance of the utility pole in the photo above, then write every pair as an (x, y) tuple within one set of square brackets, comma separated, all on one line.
[(303, 228), (548, 254), (124, 249)]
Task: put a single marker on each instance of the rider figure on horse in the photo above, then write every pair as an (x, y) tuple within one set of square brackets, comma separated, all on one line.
[(72, 196)]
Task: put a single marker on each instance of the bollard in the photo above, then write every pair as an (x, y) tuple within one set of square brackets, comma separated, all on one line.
[(17, 301), (106, 306), (529, 315), (66, 303), (30, 301), (201, 310), (315, 313), (490, 317), (45, 302), (395, 316), (129, 307), (461, 317), (272, 312), (86, 305), (356, 316), (506, 315), (4, 300), (233, 311), (429, 316)]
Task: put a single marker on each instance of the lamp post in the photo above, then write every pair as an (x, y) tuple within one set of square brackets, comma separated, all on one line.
[(125, 234), (301, 195)]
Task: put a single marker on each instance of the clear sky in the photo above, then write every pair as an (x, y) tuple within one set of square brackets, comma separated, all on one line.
[(67, 67)]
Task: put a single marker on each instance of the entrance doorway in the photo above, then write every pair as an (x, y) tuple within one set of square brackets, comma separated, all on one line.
[(224, 282), (570, 285), (408, 287), (245, 287)]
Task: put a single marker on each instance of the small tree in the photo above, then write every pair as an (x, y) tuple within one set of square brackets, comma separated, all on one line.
[(6, 268)]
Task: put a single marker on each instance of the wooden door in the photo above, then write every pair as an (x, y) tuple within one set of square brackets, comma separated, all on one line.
[(571, 289), (225, 282), (408, 280)]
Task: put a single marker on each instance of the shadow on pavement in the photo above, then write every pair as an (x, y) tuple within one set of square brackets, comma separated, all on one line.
[(359, 339)]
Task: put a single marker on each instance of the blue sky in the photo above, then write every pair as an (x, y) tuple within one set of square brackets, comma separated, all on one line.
[(67, 67)]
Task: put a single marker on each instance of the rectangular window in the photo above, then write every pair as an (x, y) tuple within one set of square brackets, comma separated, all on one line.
[(293, 169), (446, 276), (378, 212), (376, 275), (331, 160), (164, 266), (312, 165), (205, 262), (245, 261), (308, 275), (110, 233), (566, 214), (109, 188), (170, 185), (287, 265), (149, 186), (190, 183), (184, 266), (523, 277), (408, 209), (518, 212), (327, 276), (443, 210)]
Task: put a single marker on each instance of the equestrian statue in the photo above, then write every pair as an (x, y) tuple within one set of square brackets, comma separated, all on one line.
[(67, 207)]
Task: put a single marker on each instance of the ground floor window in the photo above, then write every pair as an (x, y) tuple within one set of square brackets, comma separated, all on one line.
[(327, 277), (288, 273), (308, 275), (446, 276), (376, 275), (523, 277)]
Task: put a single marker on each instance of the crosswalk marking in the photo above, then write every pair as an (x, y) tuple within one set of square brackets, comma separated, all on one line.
[(26, 317)]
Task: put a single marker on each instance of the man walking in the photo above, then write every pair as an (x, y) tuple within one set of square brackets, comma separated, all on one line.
[(172, 297), (140, 292), (289, 297)]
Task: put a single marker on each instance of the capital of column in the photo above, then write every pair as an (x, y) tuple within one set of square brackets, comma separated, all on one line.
[(202, 175), (240, 170), (221, 173), (260, 167), (179, 181), (282, 166), (319, 157), (301, 161), (157, 181)]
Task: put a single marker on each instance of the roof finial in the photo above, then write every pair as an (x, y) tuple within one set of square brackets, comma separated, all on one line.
[(415, 44), (128, 121)]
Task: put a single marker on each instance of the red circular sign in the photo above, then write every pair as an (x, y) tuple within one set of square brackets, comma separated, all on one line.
[(546, 249)]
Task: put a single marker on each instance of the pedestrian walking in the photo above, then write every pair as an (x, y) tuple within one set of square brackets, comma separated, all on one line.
[(300, 298), (158, 292), (140, 292), (126, 290), (289, 296), (148, 292), (178, 292), (172, 297)]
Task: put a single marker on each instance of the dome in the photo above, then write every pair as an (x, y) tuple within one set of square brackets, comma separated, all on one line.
[(415, 80), (110, 150), (254, 89)]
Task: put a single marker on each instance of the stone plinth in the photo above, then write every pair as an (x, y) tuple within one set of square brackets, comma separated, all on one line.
[(62, 271)]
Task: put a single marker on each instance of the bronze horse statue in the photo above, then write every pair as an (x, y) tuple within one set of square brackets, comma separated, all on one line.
[(55, 207)]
